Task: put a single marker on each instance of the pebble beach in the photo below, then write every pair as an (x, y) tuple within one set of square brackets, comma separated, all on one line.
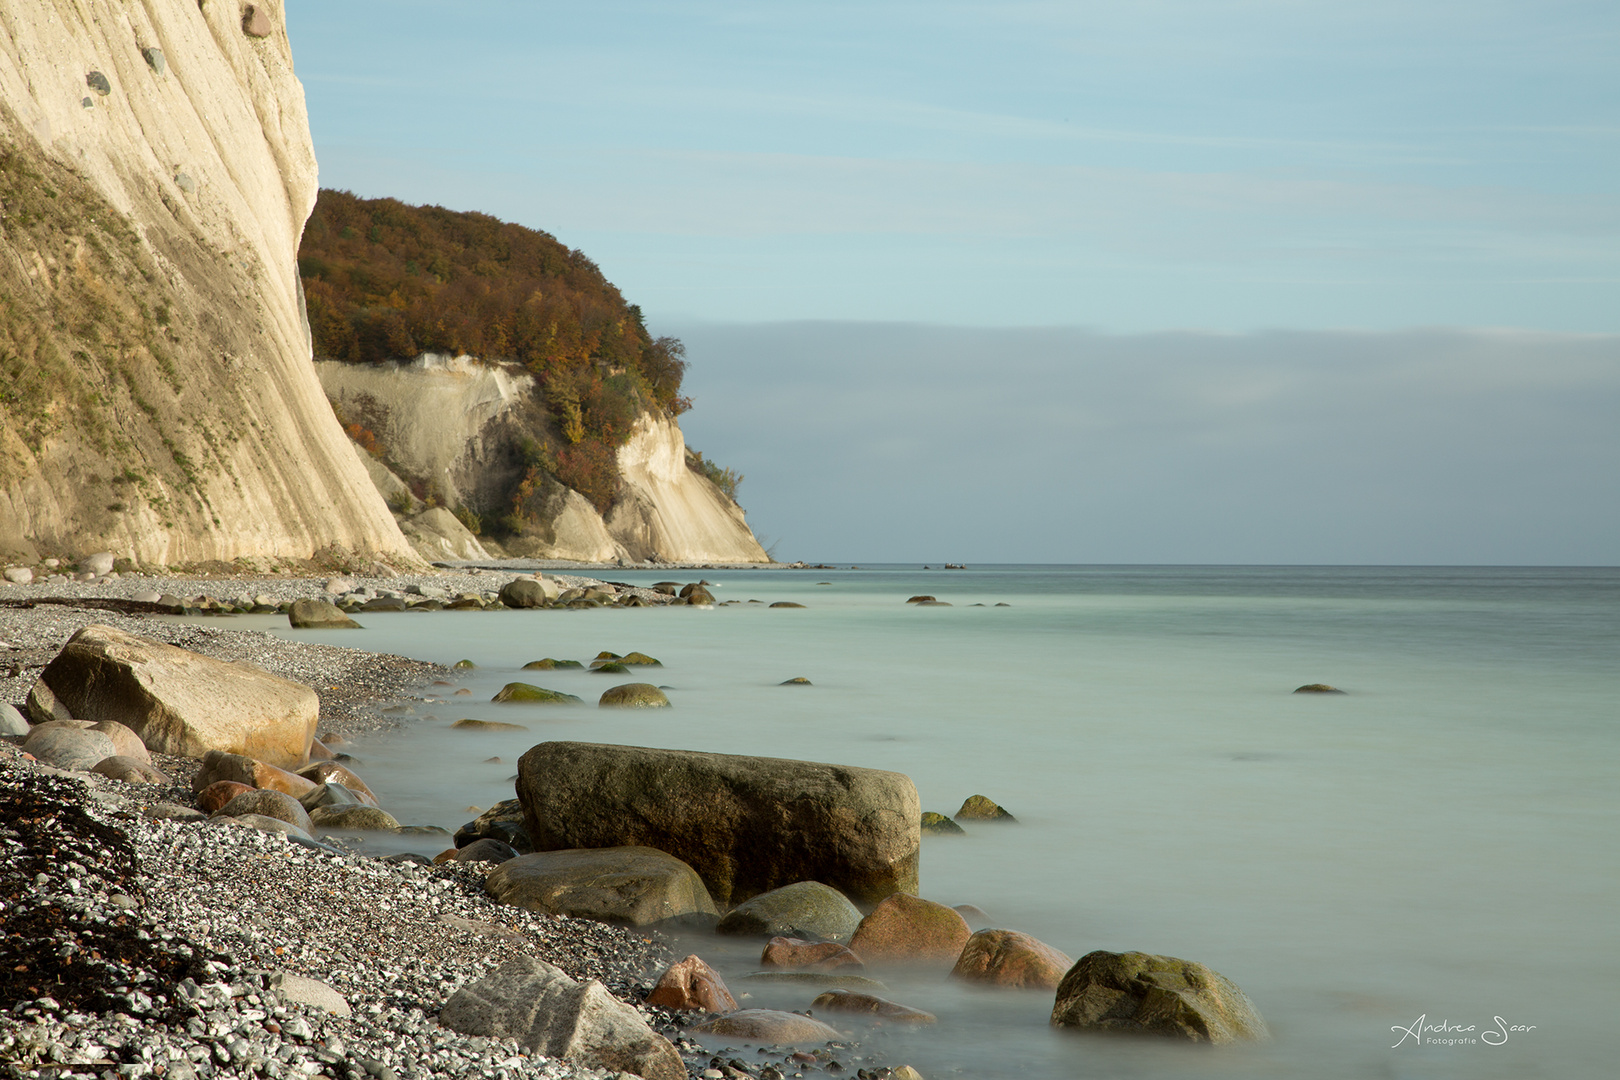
[(142, 939)]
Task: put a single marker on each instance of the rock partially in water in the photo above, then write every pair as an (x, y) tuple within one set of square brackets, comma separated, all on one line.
[(486, 849), (800, 955), (691, 984), (634, 696), (609, 667), (486, 725), (359, 818), (1318, 688), (329, 772), (528, 593), (629, 885), (786, 604), (319, 615), (906, 929), (551, 1014), (979, 808), (769, 1026), (503, 821), (548, 664), (746, 824), (639, 659), (1008, 958), (530, 694), (920, 600), (940, 825), (803, 910), (1155, 995), (797, 680), (859, 1004)]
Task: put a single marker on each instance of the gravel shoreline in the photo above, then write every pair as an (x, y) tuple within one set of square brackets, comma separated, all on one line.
[(142, 941)]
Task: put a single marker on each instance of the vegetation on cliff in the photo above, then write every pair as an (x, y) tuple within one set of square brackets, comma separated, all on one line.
[(388, 281)]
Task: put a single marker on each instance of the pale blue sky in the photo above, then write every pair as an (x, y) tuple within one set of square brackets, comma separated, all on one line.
[(1324, 281), (1168, 164)]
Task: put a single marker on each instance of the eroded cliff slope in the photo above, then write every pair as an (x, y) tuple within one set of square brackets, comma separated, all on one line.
[(157, 397)]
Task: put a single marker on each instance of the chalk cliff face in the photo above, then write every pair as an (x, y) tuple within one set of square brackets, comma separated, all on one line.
[(157, 396), (459, 426)]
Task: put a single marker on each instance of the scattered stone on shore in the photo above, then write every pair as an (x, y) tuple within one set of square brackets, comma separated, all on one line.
[(1318, 688), (12, 721), (940, 825), (802, 910), (691, 984), (219, 765), (633, 696), (549, 1013), (503, 821), (1155, 995), (1010, 959), (357, 817), (67, 745), (745, 824), (331, 772), (267, 803), (214, 797), (979, 808), (486, 850), (131, 771), (180, 702), (631, 885), (769, 1026), (906, 929), (879, 1008), (319, 615)]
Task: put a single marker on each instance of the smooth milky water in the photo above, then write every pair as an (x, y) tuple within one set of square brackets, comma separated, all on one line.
[(1438, 843)]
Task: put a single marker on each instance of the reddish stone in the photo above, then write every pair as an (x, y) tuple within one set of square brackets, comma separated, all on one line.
[(217, 794), (319, 751), (692, 984), (787, 952), (906, 929), (1011, 959), (270, 778)]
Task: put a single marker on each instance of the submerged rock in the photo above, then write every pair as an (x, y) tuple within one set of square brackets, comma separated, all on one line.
[(486, 725), (769, 1026), (1155, 995), (1318, 688), (853, 1001), (548, 664)]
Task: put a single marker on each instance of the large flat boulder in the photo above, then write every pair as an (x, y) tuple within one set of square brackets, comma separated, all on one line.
[(1155, 995), (745, 824), (551, 1014), (633, 885), (179, 702)]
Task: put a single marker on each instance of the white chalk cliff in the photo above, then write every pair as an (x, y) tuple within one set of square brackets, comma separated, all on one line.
[(458, 425), (159, 399)]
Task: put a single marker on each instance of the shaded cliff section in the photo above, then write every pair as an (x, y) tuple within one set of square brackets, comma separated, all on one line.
[(456, 441), (157, 396)]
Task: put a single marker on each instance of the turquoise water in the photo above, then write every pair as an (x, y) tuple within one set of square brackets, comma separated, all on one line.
[(1438, 842)]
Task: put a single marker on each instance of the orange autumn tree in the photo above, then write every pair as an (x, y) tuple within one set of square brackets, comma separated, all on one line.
[(388, 281)]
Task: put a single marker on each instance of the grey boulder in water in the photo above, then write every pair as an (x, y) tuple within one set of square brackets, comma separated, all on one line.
[(1155, 995)]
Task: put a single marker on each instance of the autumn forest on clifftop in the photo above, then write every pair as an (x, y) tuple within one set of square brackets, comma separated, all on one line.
[(387, 281)]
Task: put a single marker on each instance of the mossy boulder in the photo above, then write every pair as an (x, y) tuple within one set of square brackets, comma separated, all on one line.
[(605, 655), (940, 825), (637, 695), (530, 694), (979, 808), (786, 603), (1318, 688), (359, 818), (1155, 995), (609, 667), (464, 665), (797, 680), (639, 659), (548, 664)]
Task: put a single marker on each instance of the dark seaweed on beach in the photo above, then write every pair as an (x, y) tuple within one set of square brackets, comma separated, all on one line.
[(67, 946)]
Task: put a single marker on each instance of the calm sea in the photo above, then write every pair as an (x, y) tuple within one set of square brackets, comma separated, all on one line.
[(1437, 844)]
